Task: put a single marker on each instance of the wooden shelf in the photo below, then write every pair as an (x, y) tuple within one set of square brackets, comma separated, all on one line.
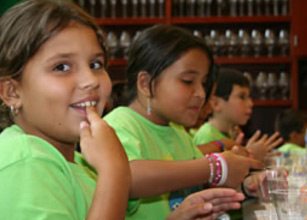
[(268, 103), (129, 21), (251, 60), (229, 19), (118, 62)]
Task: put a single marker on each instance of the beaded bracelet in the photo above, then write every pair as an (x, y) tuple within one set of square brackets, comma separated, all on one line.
[(219, 144), (210, 161), (218, 174), (224, 169)]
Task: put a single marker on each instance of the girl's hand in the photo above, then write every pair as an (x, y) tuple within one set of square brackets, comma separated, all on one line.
[(100, 145), (207, 204), (260, 147), (238, 168)]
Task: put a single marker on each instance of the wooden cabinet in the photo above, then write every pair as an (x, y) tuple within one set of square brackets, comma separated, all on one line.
[(221, 20), (299, 27)]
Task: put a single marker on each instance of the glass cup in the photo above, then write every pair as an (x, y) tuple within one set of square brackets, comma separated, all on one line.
[(103, 8), (270, 41), (267, 181), (283, 42), (284, 85), (262, 85), (257, 42), (201, 7), (113, 44), (290, 204), (124, 42), (244, 43)]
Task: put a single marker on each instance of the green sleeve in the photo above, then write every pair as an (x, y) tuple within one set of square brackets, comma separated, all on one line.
[(36, 189)]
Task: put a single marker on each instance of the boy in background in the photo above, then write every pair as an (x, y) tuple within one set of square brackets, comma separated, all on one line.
[(292, 125), (232, 107)]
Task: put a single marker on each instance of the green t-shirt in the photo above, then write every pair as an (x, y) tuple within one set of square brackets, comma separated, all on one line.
[(143, 139), (36, 182), (292, 149), (207, 133)]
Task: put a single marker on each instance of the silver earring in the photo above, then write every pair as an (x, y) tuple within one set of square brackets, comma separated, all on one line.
[(148, 106), (14, 111)]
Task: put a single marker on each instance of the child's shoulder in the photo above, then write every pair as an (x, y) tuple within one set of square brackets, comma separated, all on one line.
[(17, 146), (122, 116)]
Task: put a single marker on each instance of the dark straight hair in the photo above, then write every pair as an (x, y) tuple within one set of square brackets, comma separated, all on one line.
[(158, 47)]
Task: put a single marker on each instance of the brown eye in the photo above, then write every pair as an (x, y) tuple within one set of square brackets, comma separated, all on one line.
[(62, 67), (96, 65)]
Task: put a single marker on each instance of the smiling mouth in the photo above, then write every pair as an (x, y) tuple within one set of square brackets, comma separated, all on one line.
[(81, 107), (85, 104)]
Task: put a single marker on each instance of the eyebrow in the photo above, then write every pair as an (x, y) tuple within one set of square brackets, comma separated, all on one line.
[(69, 55)]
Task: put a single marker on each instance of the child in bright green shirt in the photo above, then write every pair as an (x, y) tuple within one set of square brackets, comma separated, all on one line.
[(52, 93), (292, 125), (232, 106), (168, 75)]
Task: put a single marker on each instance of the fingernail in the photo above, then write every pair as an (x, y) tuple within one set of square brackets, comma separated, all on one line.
[(208, 206), (83, 124)]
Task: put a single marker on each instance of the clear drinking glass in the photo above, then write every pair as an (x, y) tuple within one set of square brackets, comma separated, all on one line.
[(272, 85), (135, 8), (161, 8), (181, 8), (231, 42), (270, 41), (112, 42), (257, 42), (152, 5), (113, 8), (125, 42), (201, 7), (283, 42), (214, 38), (290, 204), (250, 7), (242, 7), (284, 7), (258, 7), (233, 7), (209, 7), (267, 7), (191, 7), (92, 7), (244, 43), (276, 7), (124, 8), (262, 84), (143, 8), (284, 85), (220, 4), (197, 33), (209, 41), (103, 8)]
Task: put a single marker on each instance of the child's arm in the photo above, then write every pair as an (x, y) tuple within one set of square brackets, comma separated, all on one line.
[(222, 145), (103, 151), (155, 177)]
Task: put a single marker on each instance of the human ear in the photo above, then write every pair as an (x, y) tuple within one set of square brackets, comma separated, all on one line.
[(215, 103), (143, 83), (9, 92)]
